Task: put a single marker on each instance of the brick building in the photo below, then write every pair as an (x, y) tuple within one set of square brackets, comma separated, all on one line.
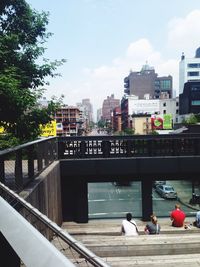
[(147, 81), (108, 106)]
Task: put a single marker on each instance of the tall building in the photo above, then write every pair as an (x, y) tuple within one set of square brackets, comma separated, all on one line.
[(99, 114), (190, 98), (189, 69), (147, 81), (117, 120), (108, 105), (88, 109), (68, 119)]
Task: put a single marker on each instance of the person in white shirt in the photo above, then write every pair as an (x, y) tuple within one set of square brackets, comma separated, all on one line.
[(129, 226)]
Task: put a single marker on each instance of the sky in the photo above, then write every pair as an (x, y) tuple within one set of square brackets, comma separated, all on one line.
[(102, 40)]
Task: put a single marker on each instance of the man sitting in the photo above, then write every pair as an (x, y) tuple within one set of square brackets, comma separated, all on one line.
[(177, 216), (129, 226)]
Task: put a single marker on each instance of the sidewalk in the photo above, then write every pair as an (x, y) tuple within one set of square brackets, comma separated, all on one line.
[(184, 192)]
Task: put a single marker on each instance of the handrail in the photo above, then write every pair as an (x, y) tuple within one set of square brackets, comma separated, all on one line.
[(132, 137), (73, 243), (13, 149), (12, 223), (128, 146)]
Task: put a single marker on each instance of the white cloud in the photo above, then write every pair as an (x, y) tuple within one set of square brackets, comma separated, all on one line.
[(184, 33), (138, 49), (98, 83)]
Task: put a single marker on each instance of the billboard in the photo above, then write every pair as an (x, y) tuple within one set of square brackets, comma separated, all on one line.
[(161, 122), (156, 122), (167, 121), (2, 130), (48, 129)]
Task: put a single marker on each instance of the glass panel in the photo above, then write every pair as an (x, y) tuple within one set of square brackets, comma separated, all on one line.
[(188, 196), (195, 102), (194, 65), (193, 73), (112, 200)]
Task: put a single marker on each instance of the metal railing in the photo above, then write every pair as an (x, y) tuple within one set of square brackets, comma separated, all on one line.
[(64, 242), (129, 146), (21, 164)]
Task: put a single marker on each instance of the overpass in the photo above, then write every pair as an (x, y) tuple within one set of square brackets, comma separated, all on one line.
[(97, 159), (117, 158)]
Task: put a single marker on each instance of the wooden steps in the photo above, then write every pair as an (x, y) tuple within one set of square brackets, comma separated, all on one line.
[(155, 261), (142, 245), (172, 248), (113, 227)]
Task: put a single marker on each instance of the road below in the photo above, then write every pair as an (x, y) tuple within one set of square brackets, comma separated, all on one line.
[(107, 200)]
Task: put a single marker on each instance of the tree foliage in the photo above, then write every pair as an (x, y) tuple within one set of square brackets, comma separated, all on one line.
[(193, 119), (22, 37)]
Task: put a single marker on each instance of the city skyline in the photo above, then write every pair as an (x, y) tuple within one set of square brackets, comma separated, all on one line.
[(103, 40)]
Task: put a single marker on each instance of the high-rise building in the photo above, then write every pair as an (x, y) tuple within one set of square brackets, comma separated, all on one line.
[(190, 98), (99, 114), (189, 69), (147, 81), (88, 110), (108, 105)]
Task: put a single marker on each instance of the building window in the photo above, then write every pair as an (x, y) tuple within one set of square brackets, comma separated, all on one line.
[(177, 104), (165, 84), (164, 104), (164, 111), (177, 111), (195, 103), (194, 65), (193, 73)]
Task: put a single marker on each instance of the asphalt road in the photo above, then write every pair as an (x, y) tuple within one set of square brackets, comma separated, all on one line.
[(107, 200)]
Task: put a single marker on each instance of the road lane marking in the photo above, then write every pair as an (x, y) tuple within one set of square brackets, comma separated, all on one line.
[(98, 200), (108, 213), (123, 199)]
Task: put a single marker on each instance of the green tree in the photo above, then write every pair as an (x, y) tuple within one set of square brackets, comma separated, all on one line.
[(193, 119), (22, 36), (101, 124), (129, 131)]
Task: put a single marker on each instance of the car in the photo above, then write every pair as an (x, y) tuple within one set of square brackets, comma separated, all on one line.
[(155, 183), (166, 191)]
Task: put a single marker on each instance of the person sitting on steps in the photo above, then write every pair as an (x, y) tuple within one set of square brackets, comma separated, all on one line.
[(152, 227), (177, 216), (197, 221), (129, 226)]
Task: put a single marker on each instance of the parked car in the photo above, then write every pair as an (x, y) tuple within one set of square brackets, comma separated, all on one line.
[(155, 183), (166, 191)]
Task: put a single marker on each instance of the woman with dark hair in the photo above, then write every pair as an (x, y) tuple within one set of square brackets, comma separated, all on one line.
[(129, 226), (152, 227)]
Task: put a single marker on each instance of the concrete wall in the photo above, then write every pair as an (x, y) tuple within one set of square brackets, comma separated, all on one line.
[(45, 193)]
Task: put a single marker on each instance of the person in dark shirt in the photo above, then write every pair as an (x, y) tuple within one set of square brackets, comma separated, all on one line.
[(152, 227), (177, 216), (197, 221)]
